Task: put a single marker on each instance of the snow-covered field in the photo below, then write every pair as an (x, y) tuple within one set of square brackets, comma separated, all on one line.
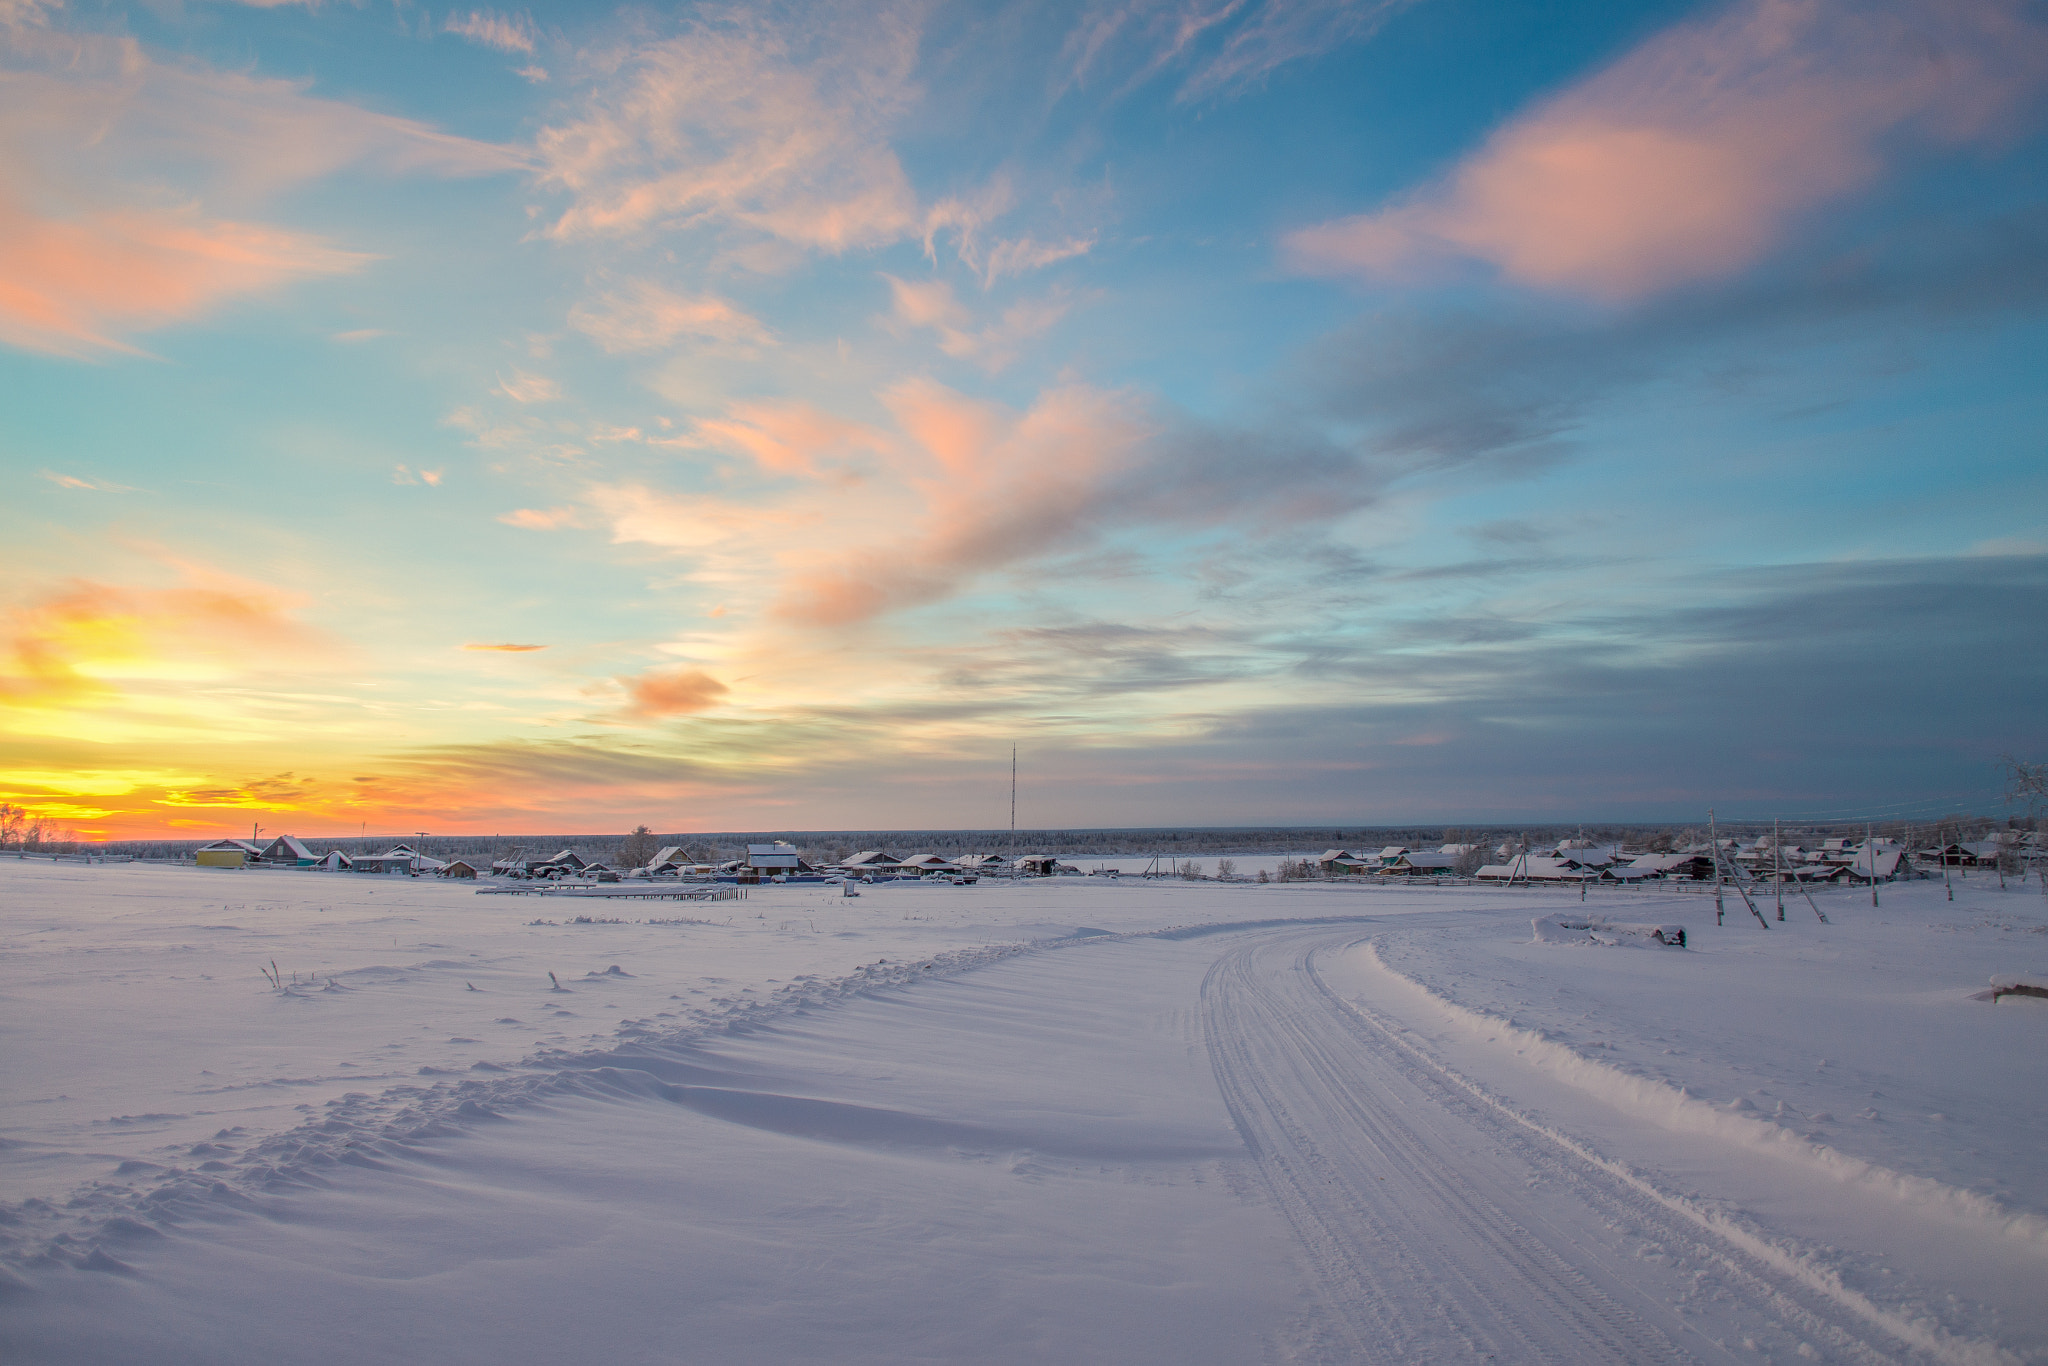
[(1059, 1120)]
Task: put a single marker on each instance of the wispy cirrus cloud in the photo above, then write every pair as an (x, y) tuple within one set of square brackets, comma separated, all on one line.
[(1223, 47), (505, 32), (777, 123), (1694, 155), (644, 316), (933, 304), (72, 481)]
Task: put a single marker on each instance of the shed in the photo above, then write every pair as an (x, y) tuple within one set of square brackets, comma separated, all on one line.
[(776, 857), (458, 868)]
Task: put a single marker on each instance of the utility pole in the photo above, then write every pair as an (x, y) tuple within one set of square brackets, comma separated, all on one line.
[(1778, 865), (1013, 811), (1870, 844), (1714, 843)]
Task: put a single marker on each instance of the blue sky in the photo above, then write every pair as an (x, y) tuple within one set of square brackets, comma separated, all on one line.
[(1257, 413)]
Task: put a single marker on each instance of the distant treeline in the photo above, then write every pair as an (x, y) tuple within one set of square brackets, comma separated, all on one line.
[(830, 846)]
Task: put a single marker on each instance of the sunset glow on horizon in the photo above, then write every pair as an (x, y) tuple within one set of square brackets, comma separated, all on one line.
[(764, 416)]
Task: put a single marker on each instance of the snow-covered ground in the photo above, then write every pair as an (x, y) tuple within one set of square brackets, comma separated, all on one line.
[(1057, 1120)]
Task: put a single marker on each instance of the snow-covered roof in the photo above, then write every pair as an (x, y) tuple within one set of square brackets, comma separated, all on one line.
[(872, 858), (1420, 860), (778, 847), (1329, 855), (1393, 851), (927, 861), (246, 846), (287, 845)]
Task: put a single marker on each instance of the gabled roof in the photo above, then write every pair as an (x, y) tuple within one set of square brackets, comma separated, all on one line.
[(1329, 854), (779, 847), (927, 861), (1394, 851), (246, 846), (872, 858), (568, 857), (288, 845), (672, 854)]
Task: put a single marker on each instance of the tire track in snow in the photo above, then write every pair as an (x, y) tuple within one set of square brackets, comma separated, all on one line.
[(1435, 1227)]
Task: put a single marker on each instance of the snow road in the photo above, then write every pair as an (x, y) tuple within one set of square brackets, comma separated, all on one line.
[(1434, 1224), (1222, 1143)]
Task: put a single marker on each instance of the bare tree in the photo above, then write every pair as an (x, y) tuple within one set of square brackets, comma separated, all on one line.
[(639, 847), (1226, 869)]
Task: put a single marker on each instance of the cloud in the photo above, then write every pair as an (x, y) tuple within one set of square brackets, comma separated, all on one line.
[(1001, 489), (71, 481), (508, 649), (68, 287), (360, 334), (1506, 390), (781, 129), (1226, 47), (529, 388), (1693, 156), (505, 32), (117, 167), (660, 693), (535, 519), (643, 316), (932, 304), (79, 642), (793, 438)]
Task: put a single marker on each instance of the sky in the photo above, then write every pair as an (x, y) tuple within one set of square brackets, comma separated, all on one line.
[(766, 416)]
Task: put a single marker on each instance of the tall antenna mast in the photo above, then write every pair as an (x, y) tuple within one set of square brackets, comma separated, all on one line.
[(1013, 810)]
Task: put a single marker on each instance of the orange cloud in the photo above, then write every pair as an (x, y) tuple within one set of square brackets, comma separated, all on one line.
[(671, 692), (536, 519), (1692, 156), (70, 286), (509, 649), (79, 641)]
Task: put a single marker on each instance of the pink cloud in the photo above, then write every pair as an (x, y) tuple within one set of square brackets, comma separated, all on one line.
[(793, 438), (71, 286), (783, 130), (114, 166), (997, 488), (643, 316), (1692, 157), (932, 304)]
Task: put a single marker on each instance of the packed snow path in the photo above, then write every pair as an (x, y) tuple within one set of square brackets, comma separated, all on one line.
[(1435, 1225), (1219, 1144)]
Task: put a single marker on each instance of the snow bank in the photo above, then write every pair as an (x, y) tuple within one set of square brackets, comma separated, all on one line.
[(1739, 1124), (1580, 929)]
